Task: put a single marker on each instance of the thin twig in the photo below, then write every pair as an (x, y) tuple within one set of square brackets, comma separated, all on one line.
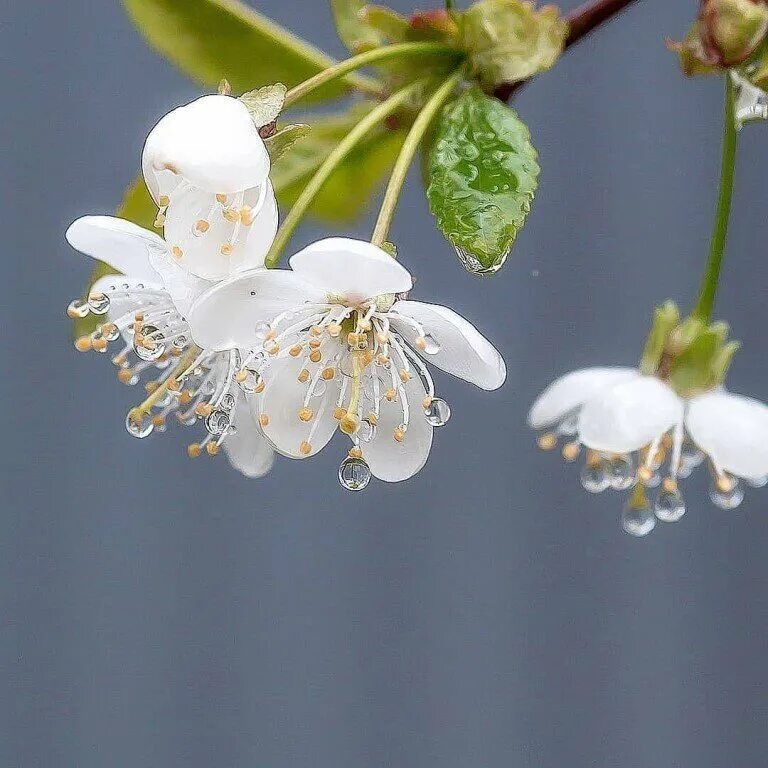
[(581, 22)]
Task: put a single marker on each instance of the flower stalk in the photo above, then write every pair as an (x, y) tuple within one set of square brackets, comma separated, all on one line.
[(374, 56), (377, 115), (407, 153), (711, 278)]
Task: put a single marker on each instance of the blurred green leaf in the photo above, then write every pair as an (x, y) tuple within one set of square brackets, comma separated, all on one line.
[(211, 39), (348, 191), (353, 30), (483, 175), (265, 104)]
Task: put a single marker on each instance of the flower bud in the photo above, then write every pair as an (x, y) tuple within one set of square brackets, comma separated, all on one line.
[(731, 30)]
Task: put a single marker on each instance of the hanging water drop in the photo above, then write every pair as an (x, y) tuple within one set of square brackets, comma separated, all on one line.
[(354, 474), (139, 425), (98, 303), (78, 308), (726, 494), (431, 344), (217, 422), (670, 506), (638, 519), (622, 473), (595, 476), (438, 412)]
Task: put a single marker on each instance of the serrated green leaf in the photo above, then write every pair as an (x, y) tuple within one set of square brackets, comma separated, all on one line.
[(483, 175), (347, 193), (211, 39), (279, 143), (265, 104), (353, 29), (509, 40)]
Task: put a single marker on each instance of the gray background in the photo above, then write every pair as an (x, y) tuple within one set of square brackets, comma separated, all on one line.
[(159, 612)]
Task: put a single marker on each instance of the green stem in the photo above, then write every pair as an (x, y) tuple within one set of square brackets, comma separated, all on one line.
[(384, 53), (711, 278), (377, 115), (407, 153)]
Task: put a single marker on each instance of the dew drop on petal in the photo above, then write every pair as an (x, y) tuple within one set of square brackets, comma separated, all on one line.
[(670, 506), (438, 412), (431, 344), (354, 474), (227, 402), (638, 520), (367, 431)]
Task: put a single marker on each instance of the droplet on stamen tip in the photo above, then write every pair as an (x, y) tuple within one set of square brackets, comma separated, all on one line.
[(78, 309), (98, 303), (438, 412), (217, 422), (431, 345), (622, 473), (726, 493), (139, 425), (670, 506), (638, 519), (595, 476), (354, 474)]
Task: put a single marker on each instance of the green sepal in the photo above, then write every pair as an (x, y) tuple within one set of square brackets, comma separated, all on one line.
[(665, 320), (265, 104), (354, 29), (284, 138), (387, 24)]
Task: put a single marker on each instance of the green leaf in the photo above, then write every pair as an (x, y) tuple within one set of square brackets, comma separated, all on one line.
[(137, 206), (211, 39), (265, 104), (347, 193), (509, 40), (353, 29), (483, 176), (279, 143)]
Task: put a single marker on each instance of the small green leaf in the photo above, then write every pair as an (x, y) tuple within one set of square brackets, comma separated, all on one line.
[(211, 39), (346, 194), (281, 141), (265, 104), (353, 29), (483, 175), (509, 40)]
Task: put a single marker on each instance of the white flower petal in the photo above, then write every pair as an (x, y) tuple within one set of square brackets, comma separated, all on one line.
[(354, 269), (389, 459), (280, 403), (226, 316), (183, 288), (212, 143), (248, 450), (569, 392), (463, 350), (201, 252), (733, 430), (629, 415), (120, 305), (123, 245)]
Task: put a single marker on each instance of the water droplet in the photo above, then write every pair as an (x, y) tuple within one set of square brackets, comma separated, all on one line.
[(320, 388), (156, 340), (622, 473), (227, 402), (111, 333), (366, 431), (217, 422), (180, 342), (139, 428), (78, 308), (438, 412), (595, 477), (470, 152), (250, 382), (98, 303), (670, 506), (472, 264), (638, 520), (347, 365), (727, 499), (262, 329), (431, 344), (354, 474)]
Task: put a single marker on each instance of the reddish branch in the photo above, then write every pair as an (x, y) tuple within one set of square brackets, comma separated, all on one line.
[(582, 21)]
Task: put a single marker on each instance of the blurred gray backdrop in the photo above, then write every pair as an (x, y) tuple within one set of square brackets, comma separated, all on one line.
[(162, 612)]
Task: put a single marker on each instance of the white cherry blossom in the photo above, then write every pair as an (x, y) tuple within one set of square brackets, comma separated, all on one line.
[(207, 170), (145, 310), (333, 344), (637, 432)]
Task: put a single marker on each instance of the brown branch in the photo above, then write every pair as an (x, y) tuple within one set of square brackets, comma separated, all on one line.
[(585, 19)]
